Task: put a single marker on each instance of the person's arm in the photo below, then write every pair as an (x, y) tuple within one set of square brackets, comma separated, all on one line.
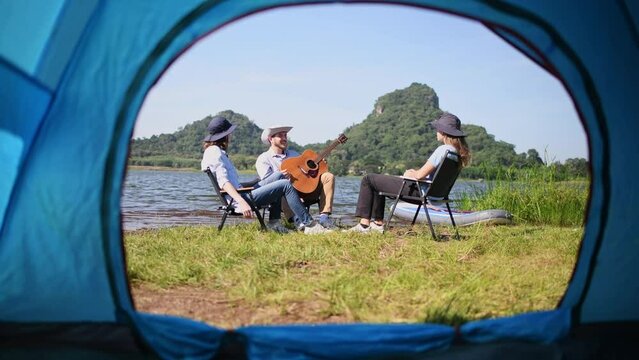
[(243, 206), (430, 165), (290, 154), (422, 172)]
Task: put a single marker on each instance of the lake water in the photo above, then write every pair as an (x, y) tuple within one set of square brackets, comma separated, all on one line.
[(155, 199)]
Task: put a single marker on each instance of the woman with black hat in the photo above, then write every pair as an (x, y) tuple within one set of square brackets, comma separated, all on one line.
[(217, 161), (370, 205)]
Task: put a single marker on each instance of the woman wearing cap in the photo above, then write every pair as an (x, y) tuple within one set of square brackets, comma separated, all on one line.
[(217, 161), (370, 205)]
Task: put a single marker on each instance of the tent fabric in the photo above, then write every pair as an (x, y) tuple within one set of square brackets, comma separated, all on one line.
[(29, 24), (73, 75), (345, 341), (543, 327), (23, 99)]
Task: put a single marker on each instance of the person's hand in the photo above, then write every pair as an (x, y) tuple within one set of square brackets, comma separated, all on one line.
[(409, 173), (245, 209), (286, 174)]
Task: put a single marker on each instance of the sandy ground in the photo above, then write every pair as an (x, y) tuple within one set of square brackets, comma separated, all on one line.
[(214, 308)]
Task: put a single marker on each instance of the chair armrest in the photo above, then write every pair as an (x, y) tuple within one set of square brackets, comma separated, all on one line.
[(393, 195), (416, 180), (409, 199), (241, 190)]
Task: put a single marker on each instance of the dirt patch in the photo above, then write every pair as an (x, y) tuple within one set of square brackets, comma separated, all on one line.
[(215, 308)]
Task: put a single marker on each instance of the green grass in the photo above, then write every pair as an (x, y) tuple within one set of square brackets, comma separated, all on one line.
[(399, 276), (535, 197)]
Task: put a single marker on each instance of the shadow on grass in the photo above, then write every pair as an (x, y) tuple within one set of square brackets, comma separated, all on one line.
[(444, 316)]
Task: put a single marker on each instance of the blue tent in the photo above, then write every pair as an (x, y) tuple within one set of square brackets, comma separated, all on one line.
[(73, 74)]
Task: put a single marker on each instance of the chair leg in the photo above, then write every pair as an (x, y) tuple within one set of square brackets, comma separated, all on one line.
[(416, 213), (257, 213), (452, 220), (390, 214), (261, 219), (219, 227), (392, 210), (430, 223)]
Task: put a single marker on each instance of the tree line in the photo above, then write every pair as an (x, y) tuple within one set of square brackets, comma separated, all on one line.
[(396, 135)]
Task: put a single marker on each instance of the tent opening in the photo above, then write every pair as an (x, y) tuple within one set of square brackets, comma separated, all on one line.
[(324, 71)]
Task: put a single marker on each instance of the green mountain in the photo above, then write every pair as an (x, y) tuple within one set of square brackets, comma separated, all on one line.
[(396, 135)]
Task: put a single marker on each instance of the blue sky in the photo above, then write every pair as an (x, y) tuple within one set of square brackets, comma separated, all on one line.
[(320, 69)]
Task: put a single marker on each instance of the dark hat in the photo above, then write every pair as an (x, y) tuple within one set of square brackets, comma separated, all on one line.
[(448, 124), (218, 128)]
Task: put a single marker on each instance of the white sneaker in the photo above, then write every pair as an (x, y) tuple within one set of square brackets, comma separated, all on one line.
[(359, 228), (277, 227), (374, 227), (315, 228)]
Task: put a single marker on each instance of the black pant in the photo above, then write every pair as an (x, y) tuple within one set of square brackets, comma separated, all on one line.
[(370, 205)]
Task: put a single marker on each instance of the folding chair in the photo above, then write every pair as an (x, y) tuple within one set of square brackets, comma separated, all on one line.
[(228, 208), (438, 190)]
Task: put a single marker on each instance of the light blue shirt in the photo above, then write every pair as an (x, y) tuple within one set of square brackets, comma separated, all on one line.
[(216, 160), (269, 162), (438, 155), (436, 158)]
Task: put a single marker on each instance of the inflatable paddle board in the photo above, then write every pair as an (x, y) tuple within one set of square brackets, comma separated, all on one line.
[(406, 211)]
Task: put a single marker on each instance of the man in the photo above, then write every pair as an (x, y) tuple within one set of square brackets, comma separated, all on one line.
[(269, 165)]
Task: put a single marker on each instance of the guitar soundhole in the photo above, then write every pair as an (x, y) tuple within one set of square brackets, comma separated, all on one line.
[(311, 164)]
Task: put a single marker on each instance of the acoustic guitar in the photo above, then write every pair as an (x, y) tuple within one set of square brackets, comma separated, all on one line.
[(305, 170)]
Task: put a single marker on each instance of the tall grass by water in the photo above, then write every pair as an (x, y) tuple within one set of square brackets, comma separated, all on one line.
[(533, 196)]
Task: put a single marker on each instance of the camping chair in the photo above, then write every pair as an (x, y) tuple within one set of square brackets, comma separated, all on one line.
[(228, 208), (438, 190)]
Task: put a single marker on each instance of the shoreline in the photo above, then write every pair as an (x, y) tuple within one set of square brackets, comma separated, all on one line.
[(168, 168), (243, 172)]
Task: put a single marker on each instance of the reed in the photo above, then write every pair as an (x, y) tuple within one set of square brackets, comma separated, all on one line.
[(533, 196)]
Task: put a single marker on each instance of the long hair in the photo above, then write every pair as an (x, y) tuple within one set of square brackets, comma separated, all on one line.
[(222, 143), (460, 144)]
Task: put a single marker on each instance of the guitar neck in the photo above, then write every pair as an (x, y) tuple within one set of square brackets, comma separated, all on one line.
[(326, 151)]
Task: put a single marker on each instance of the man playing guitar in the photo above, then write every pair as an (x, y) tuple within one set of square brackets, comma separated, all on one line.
[(269, 168)]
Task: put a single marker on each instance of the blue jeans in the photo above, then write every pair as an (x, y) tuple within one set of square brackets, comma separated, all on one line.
[(271, 178), (272, 194)]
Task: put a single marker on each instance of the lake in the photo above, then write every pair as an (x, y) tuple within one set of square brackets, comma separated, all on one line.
[(158, 198)]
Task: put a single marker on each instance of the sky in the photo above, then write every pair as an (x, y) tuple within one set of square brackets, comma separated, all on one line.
[(321, 68)]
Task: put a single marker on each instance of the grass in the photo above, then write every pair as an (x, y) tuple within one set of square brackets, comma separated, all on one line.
[(400, 276), (535, 197)]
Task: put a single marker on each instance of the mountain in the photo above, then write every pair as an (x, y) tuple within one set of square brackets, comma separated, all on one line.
[(396, 135), (183, 148), (187, 141)]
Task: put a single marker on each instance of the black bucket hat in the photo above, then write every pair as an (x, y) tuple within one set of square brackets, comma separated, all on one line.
[(218, 128), (448, 124)]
